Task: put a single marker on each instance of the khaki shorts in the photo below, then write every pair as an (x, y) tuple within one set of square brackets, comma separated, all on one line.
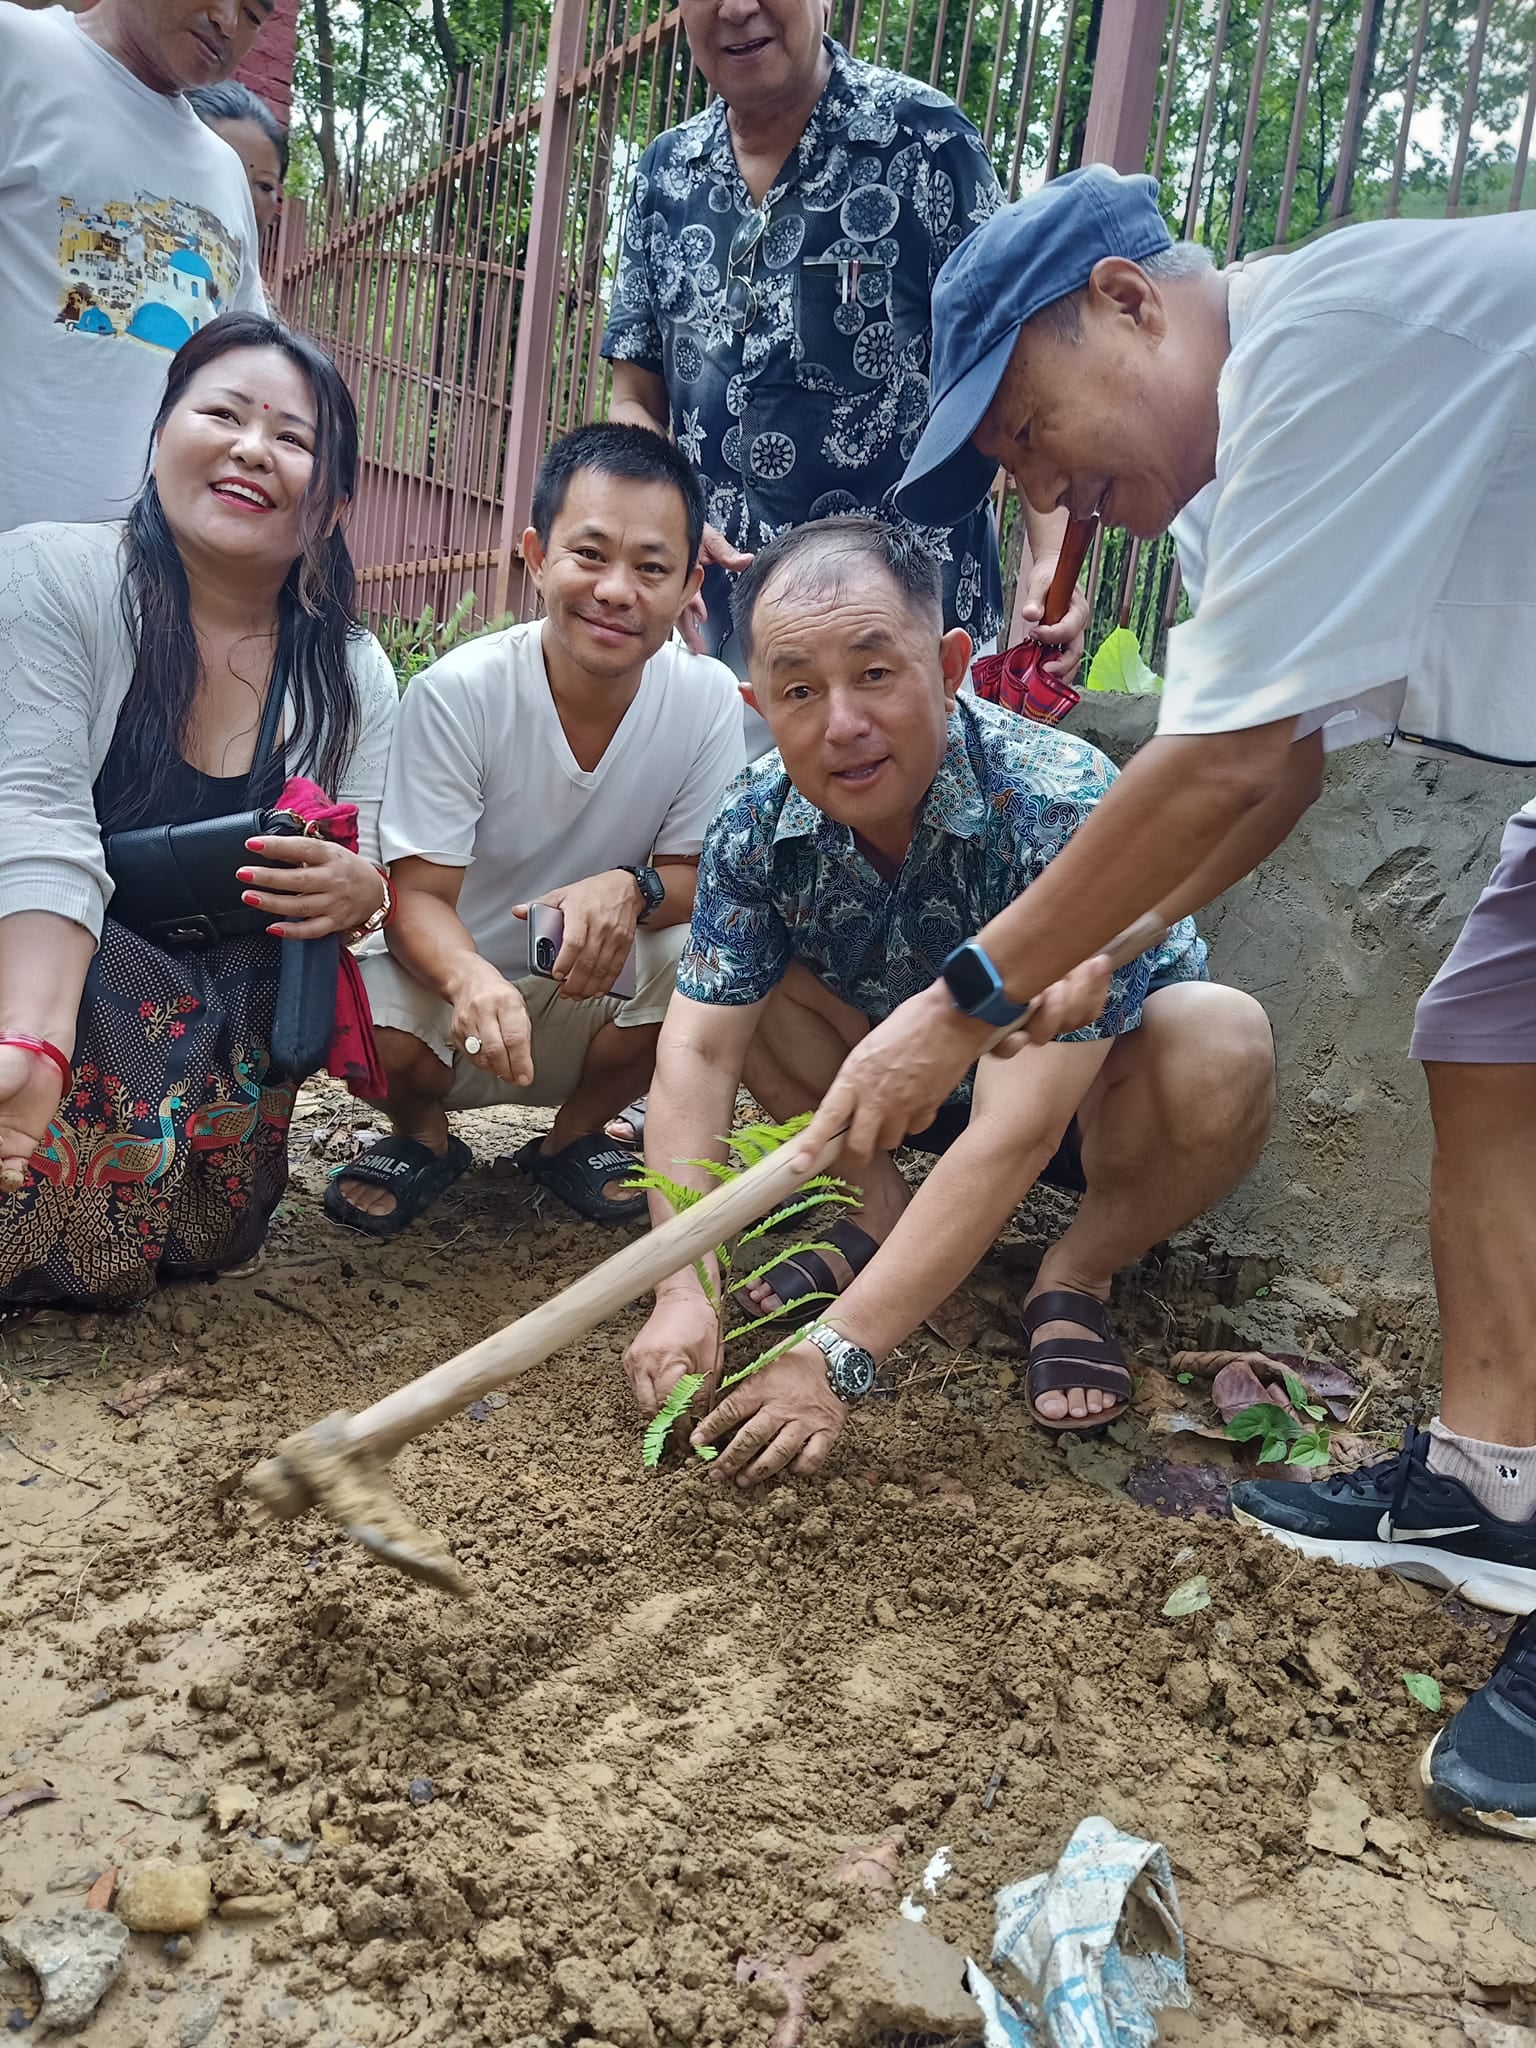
[(562, 1031)]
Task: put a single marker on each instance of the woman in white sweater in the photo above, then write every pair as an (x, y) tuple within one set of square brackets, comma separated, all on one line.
[(143, 1133)]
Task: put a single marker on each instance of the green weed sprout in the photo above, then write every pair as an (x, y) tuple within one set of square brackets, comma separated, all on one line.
[(749, 1145), (1279, 1434)]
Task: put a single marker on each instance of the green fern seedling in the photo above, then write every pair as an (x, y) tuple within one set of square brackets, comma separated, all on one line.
[(749, 1145)]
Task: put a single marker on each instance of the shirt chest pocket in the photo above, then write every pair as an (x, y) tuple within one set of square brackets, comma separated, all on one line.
[(852, 319)]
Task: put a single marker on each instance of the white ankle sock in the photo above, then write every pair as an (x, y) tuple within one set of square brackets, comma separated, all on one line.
[(1501, 1476)]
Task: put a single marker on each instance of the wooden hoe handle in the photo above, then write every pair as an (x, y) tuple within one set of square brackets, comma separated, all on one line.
[(378, 1432)]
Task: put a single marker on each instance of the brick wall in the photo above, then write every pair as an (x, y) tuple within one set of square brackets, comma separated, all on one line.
[(269, 68)]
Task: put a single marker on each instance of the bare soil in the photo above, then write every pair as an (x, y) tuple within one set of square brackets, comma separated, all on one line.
[(613, 1796)]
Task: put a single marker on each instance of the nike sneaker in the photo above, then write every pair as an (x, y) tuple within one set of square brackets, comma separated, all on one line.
[(1399, 1515), (1481, 1767)]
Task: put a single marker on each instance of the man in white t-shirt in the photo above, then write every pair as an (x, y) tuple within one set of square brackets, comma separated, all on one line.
[(572, 762), (125, 226), (1344, 440)]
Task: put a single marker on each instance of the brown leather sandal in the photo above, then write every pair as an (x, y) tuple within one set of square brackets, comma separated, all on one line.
[(813, 1280), (1061, 1363)]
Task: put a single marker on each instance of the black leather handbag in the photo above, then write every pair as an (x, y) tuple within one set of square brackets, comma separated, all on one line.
[(178, 887)]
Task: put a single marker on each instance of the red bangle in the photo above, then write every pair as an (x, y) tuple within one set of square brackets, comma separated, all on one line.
[(45, 1050)]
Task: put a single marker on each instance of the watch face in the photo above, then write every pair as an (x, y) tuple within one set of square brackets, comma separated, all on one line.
[(970, 982), (853, 1373)]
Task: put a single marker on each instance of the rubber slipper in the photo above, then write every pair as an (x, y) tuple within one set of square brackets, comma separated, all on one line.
[(634, 1116), (1061, 1363), (814, 1277), (579, 1172), (412, 1172)]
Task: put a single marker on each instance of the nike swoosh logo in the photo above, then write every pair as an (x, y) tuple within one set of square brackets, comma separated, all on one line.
[(1395, 1533)]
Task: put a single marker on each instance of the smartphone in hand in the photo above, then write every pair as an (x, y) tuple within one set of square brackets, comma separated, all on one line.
[(546, 935)]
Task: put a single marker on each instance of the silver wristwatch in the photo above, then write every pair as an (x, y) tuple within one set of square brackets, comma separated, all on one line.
[(850, 1371)]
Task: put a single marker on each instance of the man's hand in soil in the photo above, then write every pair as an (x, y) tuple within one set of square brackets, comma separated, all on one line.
[(601, 915), (785, 1417), (682, 1335), (713, 547), (487, 1007)]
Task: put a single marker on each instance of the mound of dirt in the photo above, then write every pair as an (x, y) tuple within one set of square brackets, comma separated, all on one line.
[(613, 1798)]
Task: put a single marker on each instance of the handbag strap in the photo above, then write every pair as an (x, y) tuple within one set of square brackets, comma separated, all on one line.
[(266, 732)]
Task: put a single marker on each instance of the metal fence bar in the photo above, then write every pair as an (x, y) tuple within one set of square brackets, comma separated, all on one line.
[(530, 364), (1299, 121), (1410, 100), (1344, 175), (1250, 122), (1523, 153), (1469, 104)]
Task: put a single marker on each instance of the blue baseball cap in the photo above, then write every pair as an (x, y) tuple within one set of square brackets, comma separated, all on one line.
[(1026, 256)]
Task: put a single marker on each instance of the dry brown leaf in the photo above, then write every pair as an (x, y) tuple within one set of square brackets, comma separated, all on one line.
[(136, 1397), (23, 1796), (99, 1897), (1237, 1386)]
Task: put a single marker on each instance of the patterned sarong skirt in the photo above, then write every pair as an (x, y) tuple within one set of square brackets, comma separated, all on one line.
[(170, 1152)]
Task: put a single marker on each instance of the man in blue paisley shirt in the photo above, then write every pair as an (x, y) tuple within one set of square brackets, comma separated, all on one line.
[(772, 309), (843, 873)]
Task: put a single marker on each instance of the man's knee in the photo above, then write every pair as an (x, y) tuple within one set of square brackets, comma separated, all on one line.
[(409, 1063), (1212, 1059)]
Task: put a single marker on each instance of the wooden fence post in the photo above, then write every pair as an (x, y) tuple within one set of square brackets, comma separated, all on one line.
[(532, 361), (1124, 94)]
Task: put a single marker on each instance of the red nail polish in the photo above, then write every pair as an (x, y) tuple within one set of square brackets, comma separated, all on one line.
[(253, 846), (251, 899), (245, 875)]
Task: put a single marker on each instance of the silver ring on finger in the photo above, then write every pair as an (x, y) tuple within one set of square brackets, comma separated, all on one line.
[(472, 1045)]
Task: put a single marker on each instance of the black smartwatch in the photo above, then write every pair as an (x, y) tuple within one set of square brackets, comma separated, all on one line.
[(652, 888), (976, 987)]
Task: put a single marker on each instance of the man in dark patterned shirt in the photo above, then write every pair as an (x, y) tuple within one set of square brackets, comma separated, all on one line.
[(842, 873), (772, 304)]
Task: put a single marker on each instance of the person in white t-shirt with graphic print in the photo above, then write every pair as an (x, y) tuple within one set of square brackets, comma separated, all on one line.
[(572, 762), (126, 226), (1343, 440)]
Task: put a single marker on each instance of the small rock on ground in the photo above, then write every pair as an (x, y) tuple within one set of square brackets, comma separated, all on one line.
[(74, 1956), (157, 1897), (899, 1977)]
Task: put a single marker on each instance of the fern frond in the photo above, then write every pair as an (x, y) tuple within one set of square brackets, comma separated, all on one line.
[(716, 1168), (649, 1180), (803, 1203), (676, 1404), (756, 1142), (774, 1351), (763, 1322), (782, 1258)]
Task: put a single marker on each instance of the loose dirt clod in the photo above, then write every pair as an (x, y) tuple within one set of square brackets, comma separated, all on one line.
[(74, 1956), (898, 1978)]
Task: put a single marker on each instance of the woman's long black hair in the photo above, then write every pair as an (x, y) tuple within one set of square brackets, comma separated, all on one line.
[(317, 607)]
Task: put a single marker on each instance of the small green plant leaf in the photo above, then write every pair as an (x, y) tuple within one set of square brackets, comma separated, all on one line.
[(1118, 666), (1184, 1378), (705, 1451), (676, 1404), (1311, 1449), (1425, 1690), (1189, 1597), (1273, 1451), (1300, 1399), (1263, 1419)]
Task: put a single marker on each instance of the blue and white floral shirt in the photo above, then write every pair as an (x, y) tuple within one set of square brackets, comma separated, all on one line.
[(816, 406), (779, 881)]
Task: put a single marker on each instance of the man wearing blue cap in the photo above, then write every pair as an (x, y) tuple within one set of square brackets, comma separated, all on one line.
[(1343, 440)]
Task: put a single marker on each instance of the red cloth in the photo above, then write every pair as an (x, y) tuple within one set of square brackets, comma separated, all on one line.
[(1018, 682), (354, 1056)]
